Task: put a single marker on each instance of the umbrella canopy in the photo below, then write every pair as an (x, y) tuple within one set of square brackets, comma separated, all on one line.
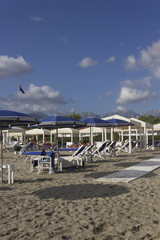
[(96, 122), (118, 122), (11, 118), (60, 122)]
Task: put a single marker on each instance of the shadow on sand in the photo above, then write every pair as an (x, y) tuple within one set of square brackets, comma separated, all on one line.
[(79, 192)]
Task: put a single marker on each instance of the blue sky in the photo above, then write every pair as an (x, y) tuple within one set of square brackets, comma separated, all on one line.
[(80, 55)]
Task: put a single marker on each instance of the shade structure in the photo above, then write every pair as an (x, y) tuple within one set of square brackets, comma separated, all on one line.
[(13, 132), (95, 122), (38, 131), (66, 132), (118, 122), (56, 122), (11, 118)]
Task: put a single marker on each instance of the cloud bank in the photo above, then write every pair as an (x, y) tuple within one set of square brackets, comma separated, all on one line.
[(135, 91), (149, 58), (43, 99), (13, 66)]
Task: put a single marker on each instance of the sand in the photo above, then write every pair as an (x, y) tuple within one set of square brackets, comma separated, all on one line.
[(71, 205)]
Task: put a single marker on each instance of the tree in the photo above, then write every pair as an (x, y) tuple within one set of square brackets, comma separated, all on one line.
[(150, 119), (74, 115)]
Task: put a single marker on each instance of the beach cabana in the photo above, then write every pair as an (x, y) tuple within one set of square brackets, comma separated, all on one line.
[(95, 122), (146, 128), (66, 132), (38, 131), (121, 123), (96, 131), (15, 132)]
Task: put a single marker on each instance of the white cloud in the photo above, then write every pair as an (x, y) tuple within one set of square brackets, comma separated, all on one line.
[(13, 66), (36, 19), (132, 95), (111, 59), (87, 62), (108, 93), (149, 58), (144, 82), (120, 108), (44, 99), (130, 62)]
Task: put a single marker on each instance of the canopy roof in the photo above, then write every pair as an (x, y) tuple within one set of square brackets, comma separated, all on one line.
[(156, 127), (60, 122), (13, 118), (87, 130), (96, 122), (65, 131), (38, 131), (132, 120), (14, 130)]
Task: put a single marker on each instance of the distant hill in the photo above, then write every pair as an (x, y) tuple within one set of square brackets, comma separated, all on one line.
[(126, 113), (154, 113)]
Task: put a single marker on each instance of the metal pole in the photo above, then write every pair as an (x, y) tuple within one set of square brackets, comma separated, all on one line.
[(57, 149), (1, 170)]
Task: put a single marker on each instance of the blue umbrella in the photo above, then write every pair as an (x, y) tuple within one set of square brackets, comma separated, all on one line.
[(60, 122), (11, 118), (96, 122), (118, 122)]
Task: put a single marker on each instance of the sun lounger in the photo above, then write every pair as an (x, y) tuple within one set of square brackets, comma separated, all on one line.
[(88, 152), (77, 159), (124, 147), (101, 151), (27, 147), (10, 147), (110, 149)]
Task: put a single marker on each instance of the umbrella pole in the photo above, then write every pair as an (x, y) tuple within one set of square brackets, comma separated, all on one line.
[(1, 169), (91, 142), (57, 149)]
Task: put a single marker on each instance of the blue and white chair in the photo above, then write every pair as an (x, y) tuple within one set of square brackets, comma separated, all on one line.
[(77, 159), (101, 150)]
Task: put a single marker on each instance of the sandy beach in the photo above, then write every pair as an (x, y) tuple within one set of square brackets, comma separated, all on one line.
[(71, 205)]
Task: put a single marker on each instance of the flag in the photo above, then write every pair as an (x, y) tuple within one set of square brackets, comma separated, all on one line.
[(21, 89)]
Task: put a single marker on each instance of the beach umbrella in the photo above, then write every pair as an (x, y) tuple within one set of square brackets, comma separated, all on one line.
[(56, 122), (95, 122), (11, 118), (118, 122)]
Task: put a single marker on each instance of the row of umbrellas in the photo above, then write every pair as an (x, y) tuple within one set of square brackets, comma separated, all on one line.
[(12, 118)]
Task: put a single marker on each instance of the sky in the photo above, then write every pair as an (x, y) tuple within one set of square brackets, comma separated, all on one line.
[(73, 56)]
